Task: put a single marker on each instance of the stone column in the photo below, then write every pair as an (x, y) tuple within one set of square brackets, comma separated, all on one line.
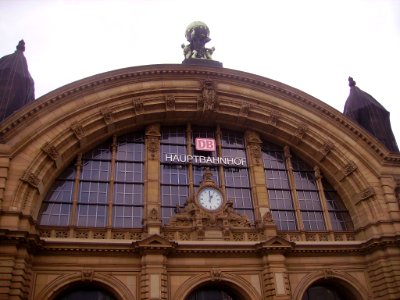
[(152, 218)]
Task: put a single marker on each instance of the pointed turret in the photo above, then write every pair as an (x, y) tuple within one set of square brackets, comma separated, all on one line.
[(371, 115), (16, 84)]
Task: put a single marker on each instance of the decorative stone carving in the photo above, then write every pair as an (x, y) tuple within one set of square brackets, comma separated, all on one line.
[(31, 178), (208, 100), (154, 215), (267, 218), (153, 140), (153, 146), (286, 152), (273, 119), (138, 105), (317, 173), (107, 115), (366, 193), (326, 148), (192, 218), (254, 142), (170, 102), (87, 275), (216, 274), (51, 151), (244, 110), (328, 273), (349, 168), (300, 133), (78, 130)]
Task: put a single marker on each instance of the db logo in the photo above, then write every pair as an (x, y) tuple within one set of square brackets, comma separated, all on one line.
[(205, 144)]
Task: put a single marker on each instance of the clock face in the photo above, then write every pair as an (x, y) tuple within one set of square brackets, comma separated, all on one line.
[(210, 198)]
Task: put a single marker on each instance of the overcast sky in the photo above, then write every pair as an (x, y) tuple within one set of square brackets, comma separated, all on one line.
[(312, 45)]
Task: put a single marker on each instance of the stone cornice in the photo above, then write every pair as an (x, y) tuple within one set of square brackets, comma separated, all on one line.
[(167, 71), (162, 246)]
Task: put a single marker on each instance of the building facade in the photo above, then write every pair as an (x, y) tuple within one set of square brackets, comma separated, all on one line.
[(105, 193)]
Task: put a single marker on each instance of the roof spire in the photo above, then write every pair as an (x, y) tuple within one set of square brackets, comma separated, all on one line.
[(16, 84), (351, 82), (370, 114), (21, 46)]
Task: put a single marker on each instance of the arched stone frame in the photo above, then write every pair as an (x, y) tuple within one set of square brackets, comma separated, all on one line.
[(341, 278), (63, 282), (237, 283), (48, 134)]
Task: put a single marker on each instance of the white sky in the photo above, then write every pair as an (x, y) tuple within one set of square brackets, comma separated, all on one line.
[(312, 45)]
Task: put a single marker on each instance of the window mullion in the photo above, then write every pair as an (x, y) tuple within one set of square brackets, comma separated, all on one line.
[(219, 153), (292, 185), (75, 193), (318, 181), (189, 134), (110, 199)]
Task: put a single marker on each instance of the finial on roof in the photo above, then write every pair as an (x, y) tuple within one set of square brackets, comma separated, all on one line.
[(21, 46), (351, 82)]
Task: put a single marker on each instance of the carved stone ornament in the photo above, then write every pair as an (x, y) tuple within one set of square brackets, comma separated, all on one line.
[(78, 130), (31, 179), (107, 115), (267, 218), (138, 105), (367, 193), (244, 110), (154, 215), (317, 172), (349, 168), (87, 275), (327, 147), (170, 102), (254, 143), (216, 274), (209, 96), (51, 151), (300, 133), (153, 146), (273, 118)]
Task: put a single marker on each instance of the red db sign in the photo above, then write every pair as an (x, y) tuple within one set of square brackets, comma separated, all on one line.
[(205, 144)]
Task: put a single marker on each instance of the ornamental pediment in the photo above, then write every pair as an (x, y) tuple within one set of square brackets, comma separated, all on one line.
[(274, 244), (155, 243)]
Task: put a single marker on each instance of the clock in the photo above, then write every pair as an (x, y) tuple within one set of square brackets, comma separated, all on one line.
[(210, 198)]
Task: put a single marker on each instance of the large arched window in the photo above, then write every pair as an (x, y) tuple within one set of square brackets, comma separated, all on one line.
[(299, 197), (103, 187)]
